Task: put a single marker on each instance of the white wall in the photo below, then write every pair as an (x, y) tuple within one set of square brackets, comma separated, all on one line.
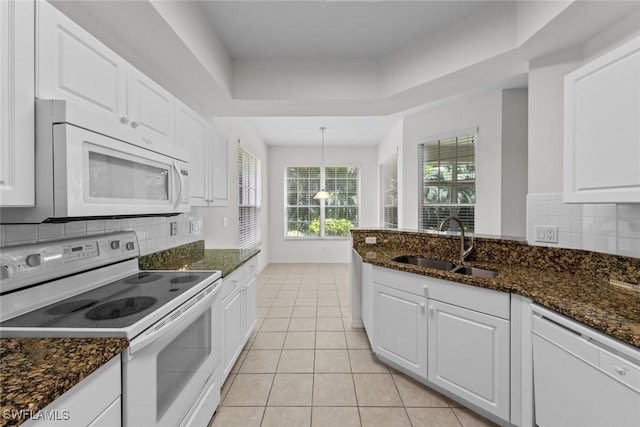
[(492, 200), (215, 234), (318, 250)]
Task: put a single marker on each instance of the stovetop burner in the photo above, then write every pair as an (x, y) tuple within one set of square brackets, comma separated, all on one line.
[(140, 278), (70, 307), (120, 308), (184, 279)]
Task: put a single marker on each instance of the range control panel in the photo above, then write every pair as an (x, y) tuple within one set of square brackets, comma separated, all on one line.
[(26, 265)]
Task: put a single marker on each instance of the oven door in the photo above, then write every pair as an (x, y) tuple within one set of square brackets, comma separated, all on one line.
[(96, 175), (167, 367)]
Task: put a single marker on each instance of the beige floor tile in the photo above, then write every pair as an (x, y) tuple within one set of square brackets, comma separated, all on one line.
[(433, 417), (249, 390), (469, 418), (236, 367), (260, 362), (296, 361), (226, 386), (329, 324), (453, 403), (329, 312), (328, 293), (308, 293), (327, 416), (384, 417), (306, 302), (415, 394), (262, 312), (229, 416), (268, 341), (291, 390), (333, 390), (304, 312), (300, 340), (283, 302), (287, 417), (265, 301), (332, 361), (330, 340), (357, 340), (275, 325), (278, 312), (288, 294), (302, 324), (376, 390), (366, 362), (328, 302)]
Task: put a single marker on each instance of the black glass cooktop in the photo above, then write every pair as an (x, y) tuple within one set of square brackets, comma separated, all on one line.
[(115, 305)]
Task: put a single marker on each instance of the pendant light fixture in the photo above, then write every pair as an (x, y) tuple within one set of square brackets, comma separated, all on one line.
[(322, 194)]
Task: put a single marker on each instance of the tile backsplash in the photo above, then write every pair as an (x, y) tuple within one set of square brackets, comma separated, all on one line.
[(153, 232), (607, 228)]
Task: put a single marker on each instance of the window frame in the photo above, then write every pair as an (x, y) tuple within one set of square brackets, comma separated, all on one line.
[(435, 138), (383, 192), (255, 240), (322, 205)]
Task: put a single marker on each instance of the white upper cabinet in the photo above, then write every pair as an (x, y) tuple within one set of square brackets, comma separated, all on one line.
[(17, 143), (602, 129), (150, 109), (193, 134), (219, 171), (74, 65)]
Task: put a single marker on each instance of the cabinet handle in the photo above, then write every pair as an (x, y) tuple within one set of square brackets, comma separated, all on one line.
[(124, 120), (422, 306), (431, 310), (135, 124), (619, 370), (426, 288), (147, 141)]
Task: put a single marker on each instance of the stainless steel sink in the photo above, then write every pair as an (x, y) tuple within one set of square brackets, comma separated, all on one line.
[(475, 272), (426, 262), (439, 264)]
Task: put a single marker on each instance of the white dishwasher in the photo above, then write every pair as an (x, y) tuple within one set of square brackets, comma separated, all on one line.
[(581, 377)]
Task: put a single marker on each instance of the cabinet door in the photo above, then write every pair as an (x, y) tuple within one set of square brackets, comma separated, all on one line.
[(17, 139), (251, 312), (192, 134), (602, 136), (74, 65), (400, 328), (232, 332), (219, 170), (151, 110), (469, 356)]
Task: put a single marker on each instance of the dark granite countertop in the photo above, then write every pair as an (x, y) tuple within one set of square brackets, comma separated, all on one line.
[(585, 297), (36, 371), (225, 260)]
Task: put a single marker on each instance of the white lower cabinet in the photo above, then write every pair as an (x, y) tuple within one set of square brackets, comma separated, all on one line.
[(239, 313), (94, 401), (469, 356), (400, 328)]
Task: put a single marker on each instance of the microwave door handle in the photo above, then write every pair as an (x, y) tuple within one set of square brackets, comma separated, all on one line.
[(147, 338), (180, 184)]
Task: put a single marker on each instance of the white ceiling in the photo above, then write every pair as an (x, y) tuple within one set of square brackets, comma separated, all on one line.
[(328, 29)]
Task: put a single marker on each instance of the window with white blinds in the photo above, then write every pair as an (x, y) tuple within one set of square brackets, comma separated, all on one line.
[(249, 198), (306, 217), (447, 182), (389, 192)]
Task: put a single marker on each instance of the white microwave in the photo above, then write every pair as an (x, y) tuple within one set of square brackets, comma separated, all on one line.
[(86, 168)]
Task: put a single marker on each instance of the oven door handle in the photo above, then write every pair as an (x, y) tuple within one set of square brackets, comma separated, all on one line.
[(189, 312)]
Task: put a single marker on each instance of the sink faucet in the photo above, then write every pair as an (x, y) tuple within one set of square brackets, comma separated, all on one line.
[(464, 253)]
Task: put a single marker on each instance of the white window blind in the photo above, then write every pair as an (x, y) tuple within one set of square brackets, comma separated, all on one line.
[(389, 189), (307, 217), (249, 198), (447, 182)]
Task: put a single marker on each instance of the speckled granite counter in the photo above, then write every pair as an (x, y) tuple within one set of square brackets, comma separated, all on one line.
[(572, 282), (36, 371), (194, 257)]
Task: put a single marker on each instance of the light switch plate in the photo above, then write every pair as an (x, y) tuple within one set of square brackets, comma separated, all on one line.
[(173, 228), (370, 240)]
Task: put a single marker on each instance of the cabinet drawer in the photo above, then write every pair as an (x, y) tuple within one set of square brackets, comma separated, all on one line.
[(486, 301), (623, 370), (406, 282), (250, 267), (231, 282)]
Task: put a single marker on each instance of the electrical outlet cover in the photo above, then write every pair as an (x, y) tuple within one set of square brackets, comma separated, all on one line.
[(546, 233)]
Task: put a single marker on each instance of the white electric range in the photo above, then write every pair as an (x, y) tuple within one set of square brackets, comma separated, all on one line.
[(92, 287)]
